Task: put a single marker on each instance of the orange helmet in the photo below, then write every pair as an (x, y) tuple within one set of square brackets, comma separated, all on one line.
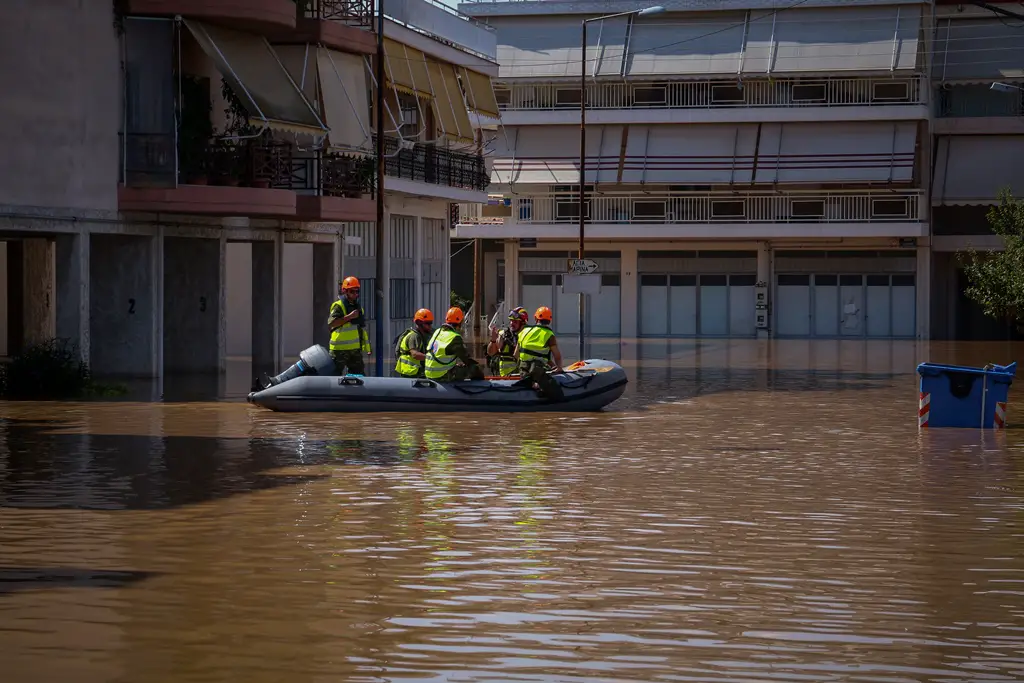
[(423, 316), (350, 283), (543, 314), (454, 316)]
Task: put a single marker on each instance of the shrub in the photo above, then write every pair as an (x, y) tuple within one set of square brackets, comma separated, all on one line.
[(49, 370)]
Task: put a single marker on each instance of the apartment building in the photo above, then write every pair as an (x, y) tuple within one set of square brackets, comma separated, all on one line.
[(188, 180), (978, 84), (753, 169)]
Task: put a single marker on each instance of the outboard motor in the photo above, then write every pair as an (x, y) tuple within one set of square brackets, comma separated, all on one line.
[(313, 361)]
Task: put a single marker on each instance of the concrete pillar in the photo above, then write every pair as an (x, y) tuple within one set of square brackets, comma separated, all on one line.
[(418, 264), (194, 340), (125, 312), (157, 260), (924, 291), (325, 289), (266, 307), (511, 292), (73, 290), (222, 305), (382, 278), (764, 275), (629, 323), (38, 290)]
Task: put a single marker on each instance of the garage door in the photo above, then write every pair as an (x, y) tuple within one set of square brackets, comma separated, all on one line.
[(697, 305), (603, 311), (846, 305)]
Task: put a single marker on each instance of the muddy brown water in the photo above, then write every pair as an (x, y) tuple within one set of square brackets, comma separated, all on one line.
[(749, 511)]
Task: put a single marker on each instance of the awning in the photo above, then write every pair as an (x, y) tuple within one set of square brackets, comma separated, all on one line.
[(300, 62), (851, 152), (549, 46), (829, 40), (345, 91), (406, 69), (479, 93), (449, 104), (686, 45), (551, 155), (691, 154), (972, 169), (253, 70), (978, 50)]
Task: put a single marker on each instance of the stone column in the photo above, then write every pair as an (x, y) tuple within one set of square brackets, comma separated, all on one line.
[(924, 290), (511, 292), (73, 290), (418, 265), (39, 290), (266, 307)]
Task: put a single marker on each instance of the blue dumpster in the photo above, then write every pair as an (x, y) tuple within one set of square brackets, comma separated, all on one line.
[(959, 396)]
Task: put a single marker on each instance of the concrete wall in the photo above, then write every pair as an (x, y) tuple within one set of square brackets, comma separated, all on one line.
[(39, 306), (239, 299), (121, 304), (61, 104), (297, 298), (3, 299), (193, 327)]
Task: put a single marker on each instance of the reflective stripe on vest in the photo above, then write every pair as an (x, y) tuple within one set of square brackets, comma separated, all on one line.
[(439, 361), (345, 337), (407, 365), (533, 342)]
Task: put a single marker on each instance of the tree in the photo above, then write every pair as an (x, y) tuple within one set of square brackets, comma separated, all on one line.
[(996, 279)]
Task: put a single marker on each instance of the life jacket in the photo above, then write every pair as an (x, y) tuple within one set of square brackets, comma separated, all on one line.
[(439, 361), (406, 365), (349, 336), (533, 343), (506, 363)]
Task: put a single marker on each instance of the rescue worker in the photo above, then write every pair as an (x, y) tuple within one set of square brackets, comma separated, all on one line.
[(502, 346), (536, 349), (412, 344), (447, 358), (347, 323)]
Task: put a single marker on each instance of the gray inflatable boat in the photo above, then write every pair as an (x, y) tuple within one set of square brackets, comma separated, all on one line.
[(305, 387)]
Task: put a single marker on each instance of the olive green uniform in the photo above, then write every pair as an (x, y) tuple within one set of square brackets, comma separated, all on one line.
[(535, 357), (349, 341), (444, 349)]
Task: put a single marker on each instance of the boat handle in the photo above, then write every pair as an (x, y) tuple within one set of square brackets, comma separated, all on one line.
[(355, 381), (423, 384)]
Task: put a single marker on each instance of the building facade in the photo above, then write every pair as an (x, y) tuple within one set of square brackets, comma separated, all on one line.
[(189, 180), (738, 154)]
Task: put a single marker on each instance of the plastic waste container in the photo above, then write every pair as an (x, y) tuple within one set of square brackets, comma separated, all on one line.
[(959, 396)]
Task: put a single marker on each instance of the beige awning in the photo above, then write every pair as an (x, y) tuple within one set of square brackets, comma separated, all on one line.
[(449, 104), (480, 94), (405, 69), (255, 72), (345, 92), (300, 62)]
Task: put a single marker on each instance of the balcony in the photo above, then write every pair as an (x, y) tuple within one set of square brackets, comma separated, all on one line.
[(434, 165), (256, 177), (258, 16), (446, 25), (344, 25), (977, 109), (704, 215)]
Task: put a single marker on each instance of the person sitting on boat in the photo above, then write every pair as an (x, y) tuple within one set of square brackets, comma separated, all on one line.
[(537, 350), (502, 346), (347, 323), (412, 343), (447, 357)]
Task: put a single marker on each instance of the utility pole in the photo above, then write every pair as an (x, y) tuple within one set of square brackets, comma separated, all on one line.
[(382, 285)]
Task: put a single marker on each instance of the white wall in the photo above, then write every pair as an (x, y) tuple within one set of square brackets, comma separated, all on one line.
[(297, 298)]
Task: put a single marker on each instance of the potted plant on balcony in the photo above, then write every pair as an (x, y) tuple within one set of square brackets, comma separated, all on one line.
[(240, 150), (194, 130)]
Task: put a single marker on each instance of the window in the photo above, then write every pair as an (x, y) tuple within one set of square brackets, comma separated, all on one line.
[(649, 96), (878, 280), (807, 208), (567, 98), (682, 280), (653, 280), (610, 280), (728, 209), (809, 92), (727, 94), (536, 279), (826, 280), (903, 280), (890, 91), (851, 280), (890, 208), (714, 280), (794, 280), (746, 280)]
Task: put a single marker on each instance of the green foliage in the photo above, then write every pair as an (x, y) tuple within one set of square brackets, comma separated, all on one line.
[(48, 371), (997, 278), (460, 301)]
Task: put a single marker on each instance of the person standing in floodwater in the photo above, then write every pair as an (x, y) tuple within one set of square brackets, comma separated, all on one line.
[(347, 323)]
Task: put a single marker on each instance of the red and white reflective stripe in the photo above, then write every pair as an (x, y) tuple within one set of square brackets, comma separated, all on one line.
[(923, 410), (1000, 419)]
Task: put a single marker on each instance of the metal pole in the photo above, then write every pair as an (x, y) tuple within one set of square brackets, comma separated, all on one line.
[(583, 161), (382, 285)]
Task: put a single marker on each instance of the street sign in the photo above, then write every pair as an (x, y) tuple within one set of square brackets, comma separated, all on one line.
[(573, 283), (582, 266)]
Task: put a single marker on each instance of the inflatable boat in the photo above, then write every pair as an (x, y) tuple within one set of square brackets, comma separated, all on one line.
[(307, 387)]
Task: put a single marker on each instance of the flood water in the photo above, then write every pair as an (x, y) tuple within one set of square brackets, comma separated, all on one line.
[(748, 511)]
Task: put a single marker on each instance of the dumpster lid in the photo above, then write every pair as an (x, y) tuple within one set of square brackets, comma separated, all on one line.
[(935, 369)]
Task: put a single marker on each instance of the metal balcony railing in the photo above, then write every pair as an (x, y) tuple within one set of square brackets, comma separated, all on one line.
[(976, 101), (826, 92), (724, 207), (428, 163), (353, 12)]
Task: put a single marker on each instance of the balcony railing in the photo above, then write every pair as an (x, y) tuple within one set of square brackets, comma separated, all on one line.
[(977, 100), (829, 92), (435, 165), (724, 207), (353, 12)]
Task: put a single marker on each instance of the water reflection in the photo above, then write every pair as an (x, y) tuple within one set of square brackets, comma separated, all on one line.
[(749, 511)]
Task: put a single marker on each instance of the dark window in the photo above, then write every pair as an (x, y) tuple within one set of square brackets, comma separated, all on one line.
[(903, 280), (610, 280), (683, 280), (667, 254), (728, 209), (535, 279), (746, 280), (648, 210), (502, 96), (826, 280), (794, 280), (807, 208), (728, 254), (567, 98), (727, 94), (653, 280), (878, 280), (714, 280), (647, 96), (809, 92), (890, 208), (894, 91), (851, 280)]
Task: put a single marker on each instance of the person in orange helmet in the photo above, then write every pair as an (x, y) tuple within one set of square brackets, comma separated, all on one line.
[(347, 322), (411, 345), (537, 350), (447, 357)]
